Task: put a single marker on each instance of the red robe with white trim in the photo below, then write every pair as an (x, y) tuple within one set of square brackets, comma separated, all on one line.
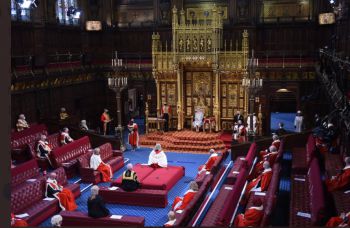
[(340, 181), (65, 138), (166, 109), (64, 195), (263, 180), (96, 163), (251, 217), (133, 135), (209, 164), (180, 203), (170, 223)]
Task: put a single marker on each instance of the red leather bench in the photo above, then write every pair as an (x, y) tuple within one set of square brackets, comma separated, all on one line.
[(54, 142), (307, 196), (140, 197), (142, 171), (29, 199), (302, 156), (161, 178), (241, 162), (220, 211), (23, 172), (108, 156), (193, 207), (66, 156), (78, 218), (20, 139)]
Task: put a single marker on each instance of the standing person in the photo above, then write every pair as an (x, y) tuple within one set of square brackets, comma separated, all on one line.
[(180, 203), (129, 179), (298, 122), (96, 205), (65, 137), (64, 195), (281, 131), (131, 109), (96, 163), (252, 128), (21, 123), (133, 134), (166, 111), (237, 117), (105, 119), (157, 157)]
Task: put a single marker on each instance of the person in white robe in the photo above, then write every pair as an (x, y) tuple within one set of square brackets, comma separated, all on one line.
[(96, 163), (157, 158), (298, 122), (198, 119)]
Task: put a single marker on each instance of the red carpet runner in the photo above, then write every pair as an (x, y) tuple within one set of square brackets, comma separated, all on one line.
[(184, 141)]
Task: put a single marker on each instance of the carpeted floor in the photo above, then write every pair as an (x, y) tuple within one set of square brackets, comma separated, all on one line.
[(153, 216)]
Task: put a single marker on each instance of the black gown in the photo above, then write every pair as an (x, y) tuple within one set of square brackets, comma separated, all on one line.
[(97, 207)]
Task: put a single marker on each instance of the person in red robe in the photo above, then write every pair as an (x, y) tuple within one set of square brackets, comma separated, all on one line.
[(171, 219), (261, 183), (259, 167), (210, 162), (341, 221), (17, 222), (105, 119), (65, 196), (133, 135), (165, 112), (65, 137), (96, 163), (252, 216), (180, 203), (275, 142), (340, 181)]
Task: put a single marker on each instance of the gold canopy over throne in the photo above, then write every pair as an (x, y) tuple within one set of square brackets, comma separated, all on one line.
[(200, 69)]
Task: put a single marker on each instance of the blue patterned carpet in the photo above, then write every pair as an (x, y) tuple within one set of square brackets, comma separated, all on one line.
[(153, 216)]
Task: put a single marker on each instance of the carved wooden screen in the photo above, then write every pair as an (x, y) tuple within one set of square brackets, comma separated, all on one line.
[(198, 87), (232, 98), (168, 95)]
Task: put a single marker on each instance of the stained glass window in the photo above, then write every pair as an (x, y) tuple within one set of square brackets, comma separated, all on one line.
[(18, 13), (62, 7)]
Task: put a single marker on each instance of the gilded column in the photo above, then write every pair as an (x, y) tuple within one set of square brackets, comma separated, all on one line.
[(179, 99)]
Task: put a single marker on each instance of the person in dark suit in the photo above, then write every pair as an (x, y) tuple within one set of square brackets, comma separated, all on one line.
[(281, 131), (237, 117), (96, 205)]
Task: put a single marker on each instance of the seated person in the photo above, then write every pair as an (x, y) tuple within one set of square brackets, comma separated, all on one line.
[(252, 215), (171, 219), (270, 157), (341, 221), (239, 130), (342, 180), (96, 205), (198, 118), (15, 222), (65, 137), (210, 162), (43, 148), (129, 179), (275, 142), (261, 183), (63, 114), (157, 158), (65, 196), (180, 203), (83, 126), (56, 221), (96, 163), (22, 123), (281, 131)]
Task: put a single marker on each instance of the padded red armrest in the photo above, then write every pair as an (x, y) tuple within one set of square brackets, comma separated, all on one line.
[(117, 153)]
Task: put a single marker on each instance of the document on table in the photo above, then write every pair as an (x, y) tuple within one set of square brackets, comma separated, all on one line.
[(228, 188), (179, 211), (303, 214), (113, 188), (116, 217), (49, 199), (22, 215), (235, 172), (243, 159), (260, 193), (31, 180)]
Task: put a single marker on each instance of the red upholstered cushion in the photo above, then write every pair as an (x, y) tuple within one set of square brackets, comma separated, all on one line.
[(251, 155), (299, 164), (237, 165), (106, 151), (24, 197), (142, 171), (19, 139), (77, 218), (115, 162), (40, 211), (163, 178), (310, 149), (24, 171)]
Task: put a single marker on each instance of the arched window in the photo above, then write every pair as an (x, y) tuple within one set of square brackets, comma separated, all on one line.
[(63, 12), (20, 10)]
